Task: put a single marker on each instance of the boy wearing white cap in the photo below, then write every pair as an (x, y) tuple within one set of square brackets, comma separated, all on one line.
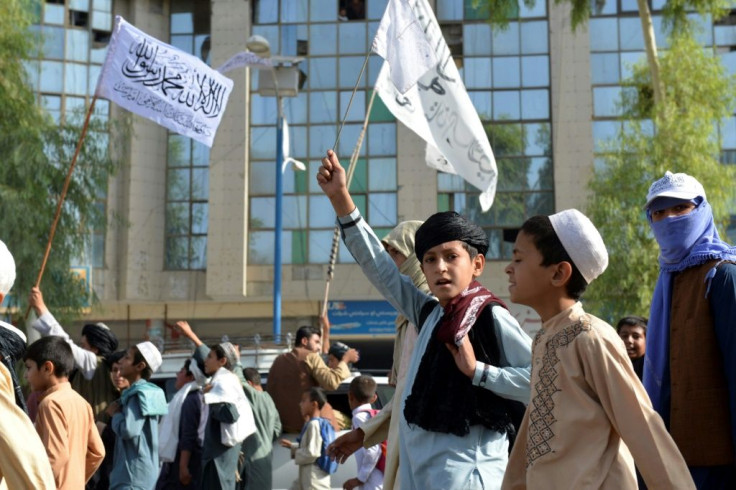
[(690, 367), (135, 420), (588, 412)]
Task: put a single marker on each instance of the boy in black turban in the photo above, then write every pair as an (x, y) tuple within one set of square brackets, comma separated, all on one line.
[(471, 364), (91, 378)]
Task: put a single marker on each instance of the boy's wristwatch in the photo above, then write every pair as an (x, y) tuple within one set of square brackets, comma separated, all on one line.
[(484, 376)]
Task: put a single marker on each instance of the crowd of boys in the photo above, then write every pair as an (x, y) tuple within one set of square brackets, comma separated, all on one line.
[(478, 404)]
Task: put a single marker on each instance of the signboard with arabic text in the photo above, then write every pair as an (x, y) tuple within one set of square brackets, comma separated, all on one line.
[(361, 318)]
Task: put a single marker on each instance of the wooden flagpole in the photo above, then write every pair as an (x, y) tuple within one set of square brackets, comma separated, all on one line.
[(64, 190)]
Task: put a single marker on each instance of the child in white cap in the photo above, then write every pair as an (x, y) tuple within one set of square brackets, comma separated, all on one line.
[(588, 412), (135, 420)]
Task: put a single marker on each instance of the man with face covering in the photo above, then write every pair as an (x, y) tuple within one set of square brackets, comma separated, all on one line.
[(23, 460), (690, 366), (91, 378)]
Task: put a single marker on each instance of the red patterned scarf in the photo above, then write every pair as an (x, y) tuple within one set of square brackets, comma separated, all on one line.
[(462, 312)]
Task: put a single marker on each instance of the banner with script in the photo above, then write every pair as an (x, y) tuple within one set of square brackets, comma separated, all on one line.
[(162, 83), (439, 110)]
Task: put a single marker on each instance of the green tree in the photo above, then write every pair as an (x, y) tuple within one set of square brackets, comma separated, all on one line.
[(672, 109), (35, 153), (679, 134)]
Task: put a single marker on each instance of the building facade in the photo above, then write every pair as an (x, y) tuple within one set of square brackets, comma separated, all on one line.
[(199, 239)]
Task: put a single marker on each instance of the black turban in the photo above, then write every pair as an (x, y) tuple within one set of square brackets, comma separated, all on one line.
[(12, 349), (100, 336), (447, 227)]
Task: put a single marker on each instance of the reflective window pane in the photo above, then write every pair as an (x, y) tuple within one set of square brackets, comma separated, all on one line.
[(321, 214), (534, 104), (178, 185), (382, 174), (632, 38), (535, 71), (352, 37), (198, 253), (322, 107), (506, 105), (382, 139), (506, 41), (321, 139), (477, 39), (77, 45), (53, 42), (295, 109), (606, 101), (294, 10), (382, 209), (534, 37), (477, 72), (322, 73), (200, 212), (357, 107), (482, 103), (506, 72), (260, 247), (324, 38), (604, 34), (262, 178), (604, 68), (177, 218), (179, 150), (325, 10), (263, 143), (200, 184)]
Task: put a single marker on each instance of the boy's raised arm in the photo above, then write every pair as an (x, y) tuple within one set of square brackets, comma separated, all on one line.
[(333, 181)]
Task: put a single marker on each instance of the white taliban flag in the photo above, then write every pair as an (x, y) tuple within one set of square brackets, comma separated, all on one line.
[(299, 165), (439, 110), (400, 41), (162, 83)]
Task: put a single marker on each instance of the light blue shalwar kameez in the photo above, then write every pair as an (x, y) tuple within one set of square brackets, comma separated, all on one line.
[(435, 460)]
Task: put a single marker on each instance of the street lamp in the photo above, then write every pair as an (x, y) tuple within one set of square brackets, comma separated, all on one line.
[(282, 81)]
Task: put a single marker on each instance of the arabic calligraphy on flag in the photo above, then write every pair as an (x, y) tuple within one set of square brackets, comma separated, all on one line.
[(439, 110), (162, 83)]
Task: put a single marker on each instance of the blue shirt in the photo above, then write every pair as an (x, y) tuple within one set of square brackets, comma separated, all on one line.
[(433, 459)]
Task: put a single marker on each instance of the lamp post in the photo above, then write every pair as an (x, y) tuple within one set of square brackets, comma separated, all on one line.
[(288, 78)]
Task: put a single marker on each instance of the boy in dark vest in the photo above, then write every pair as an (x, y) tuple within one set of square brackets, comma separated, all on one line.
[(471, 359), (690, 366)]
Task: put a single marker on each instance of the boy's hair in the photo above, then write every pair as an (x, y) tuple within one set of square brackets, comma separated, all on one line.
[(7, 269), (188, 371), (138, 358), (363, 388), (221, 354), (252, 375), (632, 321), (317, 395), (472, 251), (305, 332), (539, 228), (55, 350)]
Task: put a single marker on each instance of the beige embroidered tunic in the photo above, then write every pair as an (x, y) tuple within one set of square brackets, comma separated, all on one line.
[(588, 414)]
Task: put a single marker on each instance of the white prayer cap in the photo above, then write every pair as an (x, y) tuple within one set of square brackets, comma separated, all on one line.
[(151, 354), (680, 186), (11, 328), (7, 269), (582, 242)]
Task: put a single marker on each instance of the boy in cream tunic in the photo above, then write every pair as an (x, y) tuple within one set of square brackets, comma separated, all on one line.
[(588, 411)]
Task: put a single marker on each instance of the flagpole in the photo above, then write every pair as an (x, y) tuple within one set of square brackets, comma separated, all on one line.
[(350, 102), (64, 190), (351, 171)]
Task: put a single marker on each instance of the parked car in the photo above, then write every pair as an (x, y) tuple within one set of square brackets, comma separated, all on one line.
[(284, 469)]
